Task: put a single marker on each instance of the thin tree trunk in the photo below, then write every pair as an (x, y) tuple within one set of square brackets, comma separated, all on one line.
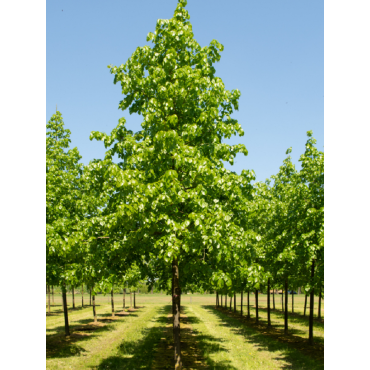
[(65, 309), (310, 329), (292, 301), (319, 311), (221, 301), (234, 302), (124, 298), (216, 299), (286, 308), (176, 313), (249, 312), (305, 304), (231, 300), (273, 298), (112, 297), (256, 306), (90, 297), (82, 296), (94, 309), (241, 304), (52, 294), (282, 300), (268, 304), (49, 299), (134, 299), (73, 297)]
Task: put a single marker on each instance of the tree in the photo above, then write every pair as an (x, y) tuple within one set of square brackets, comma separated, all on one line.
[(173, 197), (63, 173)]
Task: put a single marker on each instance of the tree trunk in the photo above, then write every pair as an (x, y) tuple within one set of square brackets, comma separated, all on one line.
[(49, 299), (73, 297), (310, 329), (176, 313), (286, 308), (52, 294), (249, 312), (319, 311), (282, 300), (216, 299), (65, 309), (90, 297), (231, 299), (268, 304), (292, 301), (94, 310), (234, 302), (153, 289), (273, 298), (82, 296), (134, 299), (305, 304), (130, 299), (256, 306), (221, 301), (241, 304), (124, 298), (112, 298)]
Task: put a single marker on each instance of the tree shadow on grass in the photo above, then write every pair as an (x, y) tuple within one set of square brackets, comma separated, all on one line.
[(155, 350), (58, 345), (137, 354), (291, 349)]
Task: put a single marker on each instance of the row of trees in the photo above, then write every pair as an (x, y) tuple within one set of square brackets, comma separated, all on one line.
[(169, 211)]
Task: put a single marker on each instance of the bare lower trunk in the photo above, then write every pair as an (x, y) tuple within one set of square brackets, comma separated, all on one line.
[(310, 328), (268, 304), (49, 299), (112, 298), (73, 297), (65, 309), (124, 298), (134, 299), (319, 311), (94, 309), (234, 302), (176, 313), (82, 296), (249, 312), (282, 300), (221, 301), (52, 294), (292, 302), (286, 308), (256, 306), (90, 297), (273, 299), (305, 304), (241, 304), (130, 299)]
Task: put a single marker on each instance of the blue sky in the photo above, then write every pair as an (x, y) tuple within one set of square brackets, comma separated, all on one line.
[(274, 54)]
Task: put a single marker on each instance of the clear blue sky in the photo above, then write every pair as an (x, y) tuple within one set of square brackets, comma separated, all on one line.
[(274, 54)]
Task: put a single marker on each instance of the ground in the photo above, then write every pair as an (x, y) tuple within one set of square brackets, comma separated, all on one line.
[(211, 338)]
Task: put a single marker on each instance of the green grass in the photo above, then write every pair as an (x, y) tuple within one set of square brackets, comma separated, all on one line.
[(213, 339)]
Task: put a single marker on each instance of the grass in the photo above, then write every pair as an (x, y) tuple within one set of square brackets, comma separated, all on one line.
[(210, 338)]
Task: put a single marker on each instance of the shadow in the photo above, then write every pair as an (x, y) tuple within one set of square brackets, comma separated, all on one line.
[(137, 354), (294, 315), (58, 345), (288, 347), (156, 349)]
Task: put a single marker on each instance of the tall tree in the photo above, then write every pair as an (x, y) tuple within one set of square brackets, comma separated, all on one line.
[(173, 197)]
